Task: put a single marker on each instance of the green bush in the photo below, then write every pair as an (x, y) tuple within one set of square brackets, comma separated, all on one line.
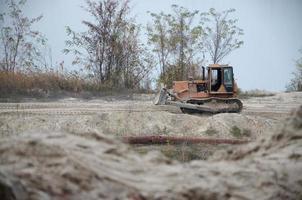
[(235, 131), (211, 131), (246, 132)]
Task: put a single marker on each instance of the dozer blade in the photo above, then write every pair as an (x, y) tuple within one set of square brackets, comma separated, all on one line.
[(161, 97)]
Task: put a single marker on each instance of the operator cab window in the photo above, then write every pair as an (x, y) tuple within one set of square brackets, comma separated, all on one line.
[(228, 76), (215, 79), (228, 79)]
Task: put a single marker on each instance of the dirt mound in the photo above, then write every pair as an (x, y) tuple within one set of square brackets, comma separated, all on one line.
[(60, 165), (138, 123), (141, 117)]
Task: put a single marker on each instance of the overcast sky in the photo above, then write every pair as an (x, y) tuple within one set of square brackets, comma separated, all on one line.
[(273, 33)]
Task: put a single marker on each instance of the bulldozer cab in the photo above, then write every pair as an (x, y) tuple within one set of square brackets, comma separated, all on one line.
[(221, 79)]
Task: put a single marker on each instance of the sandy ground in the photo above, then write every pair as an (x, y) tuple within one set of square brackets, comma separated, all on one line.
[(141, 117), (66, 150)]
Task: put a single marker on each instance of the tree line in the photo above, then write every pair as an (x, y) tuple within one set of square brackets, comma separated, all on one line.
[(111, 49)]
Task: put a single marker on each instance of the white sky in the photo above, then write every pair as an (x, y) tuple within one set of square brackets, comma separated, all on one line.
[(273, 33)]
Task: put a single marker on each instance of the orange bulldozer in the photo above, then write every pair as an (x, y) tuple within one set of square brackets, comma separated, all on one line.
[(215, 93)]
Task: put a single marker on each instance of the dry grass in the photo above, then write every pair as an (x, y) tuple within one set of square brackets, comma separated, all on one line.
[(38, 82), (49, 84), (254, 93)]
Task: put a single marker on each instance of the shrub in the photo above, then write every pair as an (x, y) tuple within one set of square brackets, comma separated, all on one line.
[(295, 83), (211, 131), (246, 132), (235, 131)]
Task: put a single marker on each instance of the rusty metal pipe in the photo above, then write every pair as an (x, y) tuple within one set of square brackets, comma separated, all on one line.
[(158, 139)]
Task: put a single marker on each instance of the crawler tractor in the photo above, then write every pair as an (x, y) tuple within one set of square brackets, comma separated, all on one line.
[(215, 93)]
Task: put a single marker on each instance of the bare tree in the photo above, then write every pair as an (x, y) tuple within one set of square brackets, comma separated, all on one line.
[(19, 43), (159, 36), (296, 82), (176, 40), (110, 48), (221, 35), (185, 41)]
